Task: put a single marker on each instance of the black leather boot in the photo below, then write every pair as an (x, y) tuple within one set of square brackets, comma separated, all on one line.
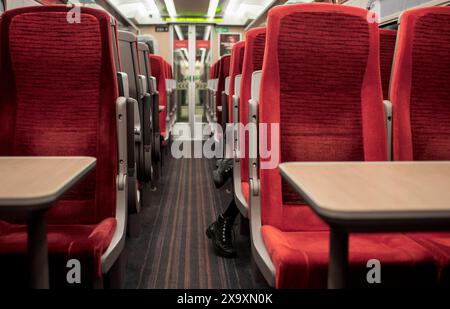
[(221, 234), (223, 172)]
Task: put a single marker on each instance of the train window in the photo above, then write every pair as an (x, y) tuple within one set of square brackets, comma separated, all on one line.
[(2, 6)]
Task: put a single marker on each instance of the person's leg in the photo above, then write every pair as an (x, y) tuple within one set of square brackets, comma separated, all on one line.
[(221, 232), (223, 172), (232, 211)]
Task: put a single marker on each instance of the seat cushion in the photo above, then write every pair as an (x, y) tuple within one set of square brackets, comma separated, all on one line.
[(438, 243), (301, 259), (85, 243)]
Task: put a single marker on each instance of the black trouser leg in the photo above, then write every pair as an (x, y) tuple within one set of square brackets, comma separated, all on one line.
[(232, 211)]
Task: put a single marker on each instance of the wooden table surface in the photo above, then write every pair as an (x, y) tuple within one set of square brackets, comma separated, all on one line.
[(371, 197), (26, 181), (372, 189), (29, 186)]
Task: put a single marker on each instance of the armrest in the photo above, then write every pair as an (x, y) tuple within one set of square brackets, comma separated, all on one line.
[(122, 141), (124, 92), (227, 85), (155, 109), (131, 105), (156, 130), (253, 131), (142, 85), (153, 89), (124, 88), (117, 244), (236, 137), (388, 114), (259, 250), (253, 145), (137, 122), (147, 135), (236, 130)]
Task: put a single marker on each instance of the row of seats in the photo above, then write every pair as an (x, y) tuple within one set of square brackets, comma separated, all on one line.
[(81, 89), (218, 74), (168, 107), (321, 71)]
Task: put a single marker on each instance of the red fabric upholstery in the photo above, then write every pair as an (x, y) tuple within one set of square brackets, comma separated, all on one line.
[(254, 49), (318, 93), (246, 191), (388, 40), (159, 72), (59, 100), (301, 259), (421, 100), (166, 69), (86, 243), (321, 82), (438, 244), (419, 90), (224, 71), (216, 69), (212, 71), (237, 60)]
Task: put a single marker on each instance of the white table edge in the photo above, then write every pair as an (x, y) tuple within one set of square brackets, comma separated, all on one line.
[(46, 200), (352, 217)]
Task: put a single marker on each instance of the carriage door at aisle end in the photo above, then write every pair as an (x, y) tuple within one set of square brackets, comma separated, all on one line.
[(191, 60)]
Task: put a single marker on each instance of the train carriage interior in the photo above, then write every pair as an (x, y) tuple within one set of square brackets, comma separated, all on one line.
[(257, 145)]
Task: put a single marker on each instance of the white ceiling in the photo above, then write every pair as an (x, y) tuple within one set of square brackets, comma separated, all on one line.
[(234, 12)]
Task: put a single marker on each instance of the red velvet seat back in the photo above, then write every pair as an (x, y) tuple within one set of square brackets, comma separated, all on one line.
[(216, 69), (166, 69), (420, 90), (224, 71), (58, 95), (237, 60), (158, 70), (211, 71), (388, 40), (255, 41), (170, 72), (321, 83)]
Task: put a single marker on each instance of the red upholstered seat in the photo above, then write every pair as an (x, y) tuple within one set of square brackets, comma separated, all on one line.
[(237, 60), (216, 69), (159, 72), (84, 242), (421, 102), (212, 71), (60, 100), (388, 40), (224, 71), (253, 60), (321, 83), (301, 259), (245, 191), (170, 76)]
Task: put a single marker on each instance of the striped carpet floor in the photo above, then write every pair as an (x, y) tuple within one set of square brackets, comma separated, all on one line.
[(172, 250)]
